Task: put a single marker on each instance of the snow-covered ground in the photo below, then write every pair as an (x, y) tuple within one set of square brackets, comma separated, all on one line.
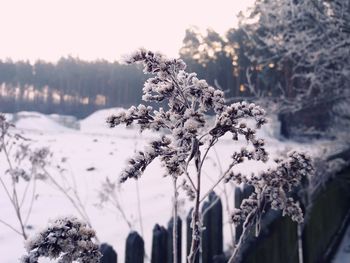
[(105, 152)]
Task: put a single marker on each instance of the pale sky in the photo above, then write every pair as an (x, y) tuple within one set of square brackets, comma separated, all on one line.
[(105, 29)]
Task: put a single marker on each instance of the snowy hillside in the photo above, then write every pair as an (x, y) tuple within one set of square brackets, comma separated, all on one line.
[(95, 152)]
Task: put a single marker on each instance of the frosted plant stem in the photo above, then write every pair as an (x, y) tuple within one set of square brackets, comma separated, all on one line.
[(25, 192), (139, 206), (81, 210), (14, 199), (175, 237), (31, 203), (118, 206), (228, 211), (190, 100), (139, 211), (6, 191), (11, 227), (189, 178), (235, 255), (300, 243), (217, 198), (195, 224), (18, 212), (252, 217), (19, 216), (217, 182)]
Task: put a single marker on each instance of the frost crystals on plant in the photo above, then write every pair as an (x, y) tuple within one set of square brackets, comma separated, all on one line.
[(66, 239), (188, 103)]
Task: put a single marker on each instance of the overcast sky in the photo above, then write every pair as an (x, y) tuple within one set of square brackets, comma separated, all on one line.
[(92, 29)]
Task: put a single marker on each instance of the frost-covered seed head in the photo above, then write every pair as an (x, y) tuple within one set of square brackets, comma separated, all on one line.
[(66, 239)]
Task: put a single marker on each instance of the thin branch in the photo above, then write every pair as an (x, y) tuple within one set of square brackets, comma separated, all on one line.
[(14, 198), (121, 210), (25, 193), (6, 191), (188, 176), (211, 144), (218, 181), (139, 206), (300, 243), (228, 210), (195, 224), (186, 171), (31, 203), (238, 247), (175, 237), (79, 207), (11, 227), (205, 134)]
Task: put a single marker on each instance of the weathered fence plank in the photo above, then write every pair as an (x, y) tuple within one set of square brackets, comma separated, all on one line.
[(159, 245), (212, 237), (108, 254), (135, 248), (237, 203), (279, 242)]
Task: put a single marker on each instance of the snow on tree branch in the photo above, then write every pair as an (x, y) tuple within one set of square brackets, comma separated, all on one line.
[(309, 39)]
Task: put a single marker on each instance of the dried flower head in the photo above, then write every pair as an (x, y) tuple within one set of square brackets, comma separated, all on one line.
[(274, 187), (66, 239), (189, 101)]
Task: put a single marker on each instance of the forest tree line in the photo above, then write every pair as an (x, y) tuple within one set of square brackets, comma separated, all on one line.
[(295, 55), (70, 86), (77, 87)]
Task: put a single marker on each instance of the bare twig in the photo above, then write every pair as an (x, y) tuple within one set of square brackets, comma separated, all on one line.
[(218, 181), (14, 197), (11, 227), (31, 202), (175, 206), (75, 202), (227, 206), (139, 206)]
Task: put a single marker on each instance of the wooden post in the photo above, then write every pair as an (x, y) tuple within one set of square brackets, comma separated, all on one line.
[(135, 248), (212, 237), (238, 202), (108, 254), (159, 244)]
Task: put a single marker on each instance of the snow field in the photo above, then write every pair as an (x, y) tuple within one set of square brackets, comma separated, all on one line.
[(106, 151)]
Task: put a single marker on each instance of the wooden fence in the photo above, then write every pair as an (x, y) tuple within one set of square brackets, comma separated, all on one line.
[(278, 242)]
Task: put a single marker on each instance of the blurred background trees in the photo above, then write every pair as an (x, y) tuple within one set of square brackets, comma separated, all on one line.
[(70, 86), (291, 56)]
